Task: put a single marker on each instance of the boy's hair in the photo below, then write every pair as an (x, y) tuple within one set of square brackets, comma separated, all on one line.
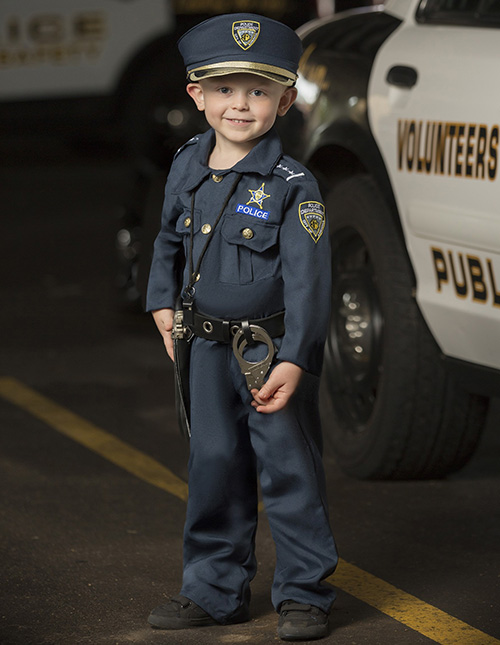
[(240, 42)]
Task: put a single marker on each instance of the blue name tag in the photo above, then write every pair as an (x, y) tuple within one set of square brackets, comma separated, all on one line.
[(251, 210)]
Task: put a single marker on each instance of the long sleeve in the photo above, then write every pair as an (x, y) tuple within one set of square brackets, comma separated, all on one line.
[(306, 271), (168, 256)]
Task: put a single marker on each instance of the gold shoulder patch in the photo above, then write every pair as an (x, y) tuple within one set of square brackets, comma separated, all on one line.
[(313, 219), (246, 32)]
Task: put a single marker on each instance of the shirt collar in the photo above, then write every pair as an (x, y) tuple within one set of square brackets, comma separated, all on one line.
[(262, 159)]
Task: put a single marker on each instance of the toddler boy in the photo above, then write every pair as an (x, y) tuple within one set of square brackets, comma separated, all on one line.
[(244, 243)]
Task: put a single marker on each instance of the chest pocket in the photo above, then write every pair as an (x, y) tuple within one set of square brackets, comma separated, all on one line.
[(250, 251)]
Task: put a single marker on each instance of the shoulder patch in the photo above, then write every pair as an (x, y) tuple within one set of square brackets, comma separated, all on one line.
[(313, 219)]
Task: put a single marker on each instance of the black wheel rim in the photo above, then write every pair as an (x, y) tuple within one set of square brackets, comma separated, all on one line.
[(354, 344)]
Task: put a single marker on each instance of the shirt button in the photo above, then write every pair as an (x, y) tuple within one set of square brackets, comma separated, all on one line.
[(205, 229), (247, 233), (217, 178), (187, 222)]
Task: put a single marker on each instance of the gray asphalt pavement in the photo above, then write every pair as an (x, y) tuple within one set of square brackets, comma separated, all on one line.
[(87, 547)]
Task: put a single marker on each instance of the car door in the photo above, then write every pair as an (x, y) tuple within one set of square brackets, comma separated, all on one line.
[(434, 110), (63, 48)]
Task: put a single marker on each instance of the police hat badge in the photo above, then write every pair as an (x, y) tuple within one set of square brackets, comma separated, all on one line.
[(246, 32)]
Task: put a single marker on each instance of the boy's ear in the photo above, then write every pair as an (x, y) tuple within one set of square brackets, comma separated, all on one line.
[(287, 100), (196, 93)]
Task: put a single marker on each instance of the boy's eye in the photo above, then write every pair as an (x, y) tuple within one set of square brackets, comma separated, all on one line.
[(224, 90), (258, 93)]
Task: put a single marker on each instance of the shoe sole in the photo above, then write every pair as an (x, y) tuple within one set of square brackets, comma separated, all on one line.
[(304, 634), (177, 623), (165, 623)]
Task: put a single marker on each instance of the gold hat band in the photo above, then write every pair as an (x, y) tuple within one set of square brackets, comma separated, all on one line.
[(278, 74)]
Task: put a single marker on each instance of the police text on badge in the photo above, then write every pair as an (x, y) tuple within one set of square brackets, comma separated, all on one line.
[(251, 210)]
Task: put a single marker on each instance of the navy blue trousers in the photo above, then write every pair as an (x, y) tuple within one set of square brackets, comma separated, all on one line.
[(230, 444)]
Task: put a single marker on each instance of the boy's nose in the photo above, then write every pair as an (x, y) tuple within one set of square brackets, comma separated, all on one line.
[(240, 101)]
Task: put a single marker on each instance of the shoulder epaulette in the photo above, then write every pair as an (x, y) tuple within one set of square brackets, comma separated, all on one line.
[(291, 170), (191, 142)]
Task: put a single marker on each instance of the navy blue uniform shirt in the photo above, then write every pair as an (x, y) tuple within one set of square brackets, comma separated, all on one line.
[(270, 251)]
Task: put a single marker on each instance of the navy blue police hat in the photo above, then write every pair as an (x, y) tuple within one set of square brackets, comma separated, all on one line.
[(241, 42)]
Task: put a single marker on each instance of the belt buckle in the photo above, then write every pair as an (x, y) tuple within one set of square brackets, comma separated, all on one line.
[(254, 373)]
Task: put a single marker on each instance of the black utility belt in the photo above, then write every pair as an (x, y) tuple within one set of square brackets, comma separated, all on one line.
[(223, 331)]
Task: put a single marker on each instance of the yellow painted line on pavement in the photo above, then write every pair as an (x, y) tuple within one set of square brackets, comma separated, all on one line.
[(399, 605), (103, 443), (407, 609)]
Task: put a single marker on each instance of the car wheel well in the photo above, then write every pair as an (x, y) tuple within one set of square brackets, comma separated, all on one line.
[(333, 163)]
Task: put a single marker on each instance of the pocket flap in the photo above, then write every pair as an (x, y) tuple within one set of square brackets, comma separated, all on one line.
[(249, 232), (184, 223)]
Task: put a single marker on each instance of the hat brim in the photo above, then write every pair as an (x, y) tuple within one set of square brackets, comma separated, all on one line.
[(277, 74)]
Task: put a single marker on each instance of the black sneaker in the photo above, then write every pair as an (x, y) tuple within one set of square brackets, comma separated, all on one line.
[(180, 613), (301, 622)]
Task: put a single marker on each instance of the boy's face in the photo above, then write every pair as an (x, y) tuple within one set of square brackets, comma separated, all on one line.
[(241, 107)]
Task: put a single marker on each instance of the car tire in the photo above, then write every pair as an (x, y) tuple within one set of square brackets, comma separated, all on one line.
[(390, 408)]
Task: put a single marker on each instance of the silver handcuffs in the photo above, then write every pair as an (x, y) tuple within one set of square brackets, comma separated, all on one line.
[(254, 373)]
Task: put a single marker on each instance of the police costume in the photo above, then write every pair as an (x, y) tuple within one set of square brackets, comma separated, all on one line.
[(268, 253)]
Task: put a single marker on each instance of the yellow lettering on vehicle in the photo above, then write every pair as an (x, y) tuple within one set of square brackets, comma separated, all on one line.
[(468, 275), (52, 38), (468, 150)]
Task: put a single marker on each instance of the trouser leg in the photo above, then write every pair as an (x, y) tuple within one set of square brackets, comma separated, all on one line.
[(293, 488), (221, 518)]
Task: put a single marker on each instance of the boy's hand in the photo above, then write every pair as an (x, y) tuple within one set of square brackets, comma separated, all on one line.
[(164, 319), (275, 394)]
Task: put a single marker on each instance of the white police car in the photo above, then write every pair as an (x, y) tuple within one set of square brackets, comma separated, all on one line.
[(402, 129)]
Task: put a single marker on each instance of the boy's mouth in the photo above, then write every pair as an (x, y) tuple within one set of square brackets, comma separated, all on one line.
[(238, 121)]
